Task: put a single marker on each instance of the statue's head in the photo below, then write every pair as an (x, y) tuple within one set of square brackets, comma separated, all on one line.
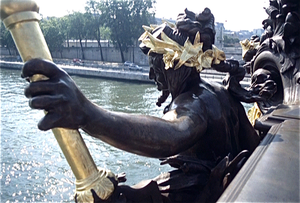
[(177, 53)]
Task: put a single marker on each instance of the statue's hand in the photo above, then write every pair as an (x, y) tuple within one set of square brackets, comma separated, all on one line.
[(228, 66), (65, 104), (187, 164), (221, 176), (174, 161), (263, 84)]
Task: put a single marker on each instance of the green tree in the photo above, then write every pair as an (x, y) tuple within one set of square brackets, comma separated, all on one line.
[(65, 28), (94, 22), (230, 41), (125, 19), (6, 39), (141, 16), (105, 33), (78, 28), (53, 35)]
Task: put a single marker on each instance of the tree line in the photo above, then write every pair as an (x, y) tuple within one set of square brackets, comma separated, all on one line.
[(119, 21)]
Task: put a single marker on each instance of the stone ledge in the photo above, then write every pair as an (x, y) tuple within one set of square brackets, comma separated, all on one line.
[(91, 72)]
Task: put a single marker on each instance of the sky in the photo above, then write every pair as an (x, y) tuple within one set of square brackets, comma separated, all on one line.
[(235, 14)]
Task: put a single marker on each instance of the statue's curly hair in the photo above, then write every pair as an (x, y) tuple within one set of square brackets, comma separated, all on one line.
[(191, 23)]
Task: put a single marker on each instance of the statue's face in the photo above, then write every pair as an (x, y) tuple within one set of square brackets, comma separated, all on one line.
[(260, 76), (266, 77), (158, 77), (156, 73)]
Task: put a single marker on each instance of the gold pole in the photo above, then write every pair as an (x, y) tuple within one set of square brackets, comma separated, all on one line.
[(22, 19)]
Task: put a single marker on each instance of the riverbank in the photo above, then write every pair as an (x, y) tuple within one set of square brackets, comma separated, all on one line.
[(110, 71), (117, 71)]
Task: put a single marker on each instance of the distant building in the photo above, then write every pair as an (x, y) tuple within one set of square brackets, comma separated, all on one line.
[(162, 20), (258, 32), (87, 43), (245, 34), (221, 32), (219, 38)]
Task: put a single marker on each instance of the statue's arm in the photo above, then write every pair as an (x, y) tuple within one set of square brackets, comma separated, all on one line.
[(146, 135), (67, 107)]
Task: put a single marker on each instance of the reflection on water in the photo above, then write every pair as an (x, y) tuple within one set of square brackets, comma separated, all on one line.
[(33, 168)]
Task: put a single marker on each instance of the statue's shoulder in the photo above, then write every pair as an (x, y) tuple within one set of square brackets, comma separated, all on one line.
[(212, 89), (202, 96)]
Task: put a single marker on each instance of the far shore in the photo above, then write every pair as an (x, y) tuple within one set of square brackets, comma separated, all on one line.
[(109, 70)]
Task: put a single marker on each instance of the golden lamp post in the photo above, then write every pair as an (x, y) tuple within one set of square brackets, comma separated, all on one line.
[(21, 18)]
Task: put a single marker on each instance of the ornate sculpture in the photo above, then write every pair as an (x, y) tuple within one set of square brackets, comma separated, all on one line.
[(204, 133), (275, 62), (274, 67)]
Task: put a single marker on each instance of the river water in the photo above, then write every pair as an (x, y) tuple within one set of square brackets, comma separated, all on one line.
[(33, 168)]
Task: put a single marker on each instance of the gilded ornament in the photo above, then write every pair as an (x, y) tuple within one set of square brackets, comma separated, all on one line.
[(190, 54)]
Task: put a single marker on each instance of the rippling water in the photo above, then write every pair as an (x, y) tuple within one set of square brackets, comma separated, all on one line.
[(33, 168)]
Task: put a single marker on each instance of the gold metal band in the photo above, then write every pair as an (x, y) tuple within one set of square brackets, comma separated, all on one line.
[(21, 17), (104, 190)]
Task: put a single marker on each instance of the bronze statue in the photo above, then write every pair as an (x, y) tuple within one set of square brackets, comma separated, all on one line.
[(204, 133)]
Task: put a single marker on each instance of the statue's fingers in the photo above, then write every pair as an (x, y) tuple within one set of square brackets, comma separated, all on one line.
[(49, 121), (221, 166), (40, 66), (42, 87), (268, 90), (235, 163), (46, 102), (163, 162), (268, 85), (56, 119), (97, 199)]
